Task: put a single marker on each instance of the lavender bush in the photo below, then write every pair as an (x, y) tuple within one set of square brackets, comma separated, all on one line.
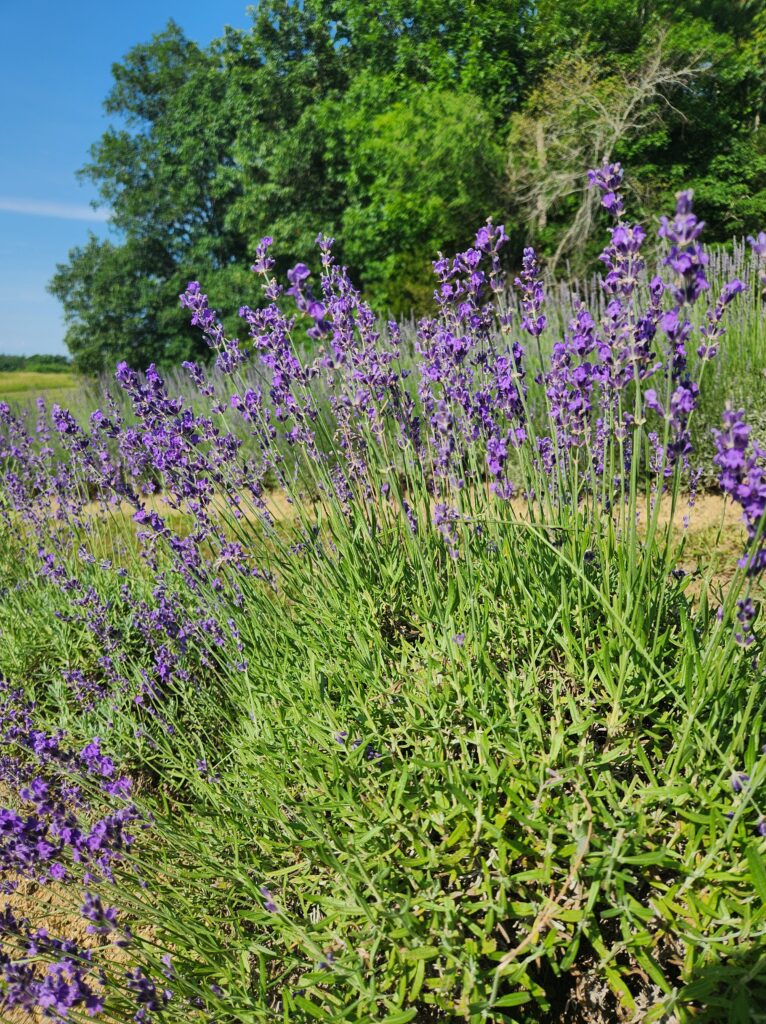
[(372, 686)]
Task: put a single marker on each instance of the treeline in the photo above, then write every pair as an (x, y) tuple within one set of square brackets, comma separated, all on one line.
[(398, 126), (36, 364)]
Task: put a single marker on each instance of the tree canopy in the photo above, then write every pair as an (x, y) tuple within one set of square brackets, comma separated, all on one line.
[(397, 127)]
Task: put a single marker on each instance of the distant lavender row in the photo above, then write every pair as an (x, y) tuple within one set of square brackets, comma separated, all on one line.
[(746, 343)]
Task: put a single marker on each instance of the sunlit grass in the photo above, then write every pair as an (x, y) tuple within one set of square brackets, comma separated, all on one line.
[(25, 385)]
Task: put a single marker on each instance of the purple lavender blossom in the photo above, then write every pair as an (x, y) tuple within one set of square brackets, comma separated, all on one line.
[(739, 781), (686, 257), (65, 982), (758, 244), (571, 380), (263, 262), (305, 300), (746, 614), (268, 900), (103, 919), (743, 477), (608, 179), (713, 330), (533, 321), (198, 378), (228, 354), (445, 520), (146, 994)]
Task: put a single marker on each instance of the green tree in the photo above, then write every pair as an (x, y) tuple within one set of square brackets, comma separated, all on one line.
[(577, 118), (424, 176), (167, 178), (115, 310), (387, 125), (696, 123)]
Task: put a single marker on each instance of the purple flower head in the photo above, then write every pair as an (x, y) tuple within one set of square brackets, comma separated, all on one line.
[(197, 376), (96, 761), (207, 320), (532, 294), (263, 262), (62, 985), (758, 244), (489, 238), (103, 919), (268, 900), (411, 517), (546, 452), (739, 780), (622, 255), (299, 273), (291, 402), (146, 993), (305, 300), (713, 330), (730, 290), (742, 476), (652, 401), (746, 615), (686, 257), (325, 245), (64, 421), (608, 179), (445, 520)]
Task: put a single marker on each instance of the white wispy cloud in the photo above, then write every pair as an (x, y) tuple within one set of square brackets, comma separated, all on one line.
[(41, 208)]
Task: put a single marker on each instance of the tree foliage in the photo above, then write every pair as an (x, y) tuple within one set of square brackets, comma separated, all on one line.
[(398, 127), (579, 117), (428, 170)]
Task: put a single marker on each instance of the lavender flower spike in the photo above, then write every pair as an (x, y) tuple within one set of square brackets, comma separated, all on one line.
[(743, 477), (686, 257), (608, 179)]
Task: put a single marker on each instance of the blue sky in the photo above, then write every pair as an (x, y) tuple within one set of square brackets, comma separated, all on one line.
[(55, 72)]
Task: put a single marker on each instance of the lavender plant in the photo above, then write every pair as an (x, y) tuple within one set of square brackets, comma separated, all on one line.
[(367, 687)]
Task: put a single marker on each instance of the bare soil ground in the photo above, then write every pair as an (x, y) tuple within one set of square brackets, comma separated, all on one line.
[(46, 906)]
